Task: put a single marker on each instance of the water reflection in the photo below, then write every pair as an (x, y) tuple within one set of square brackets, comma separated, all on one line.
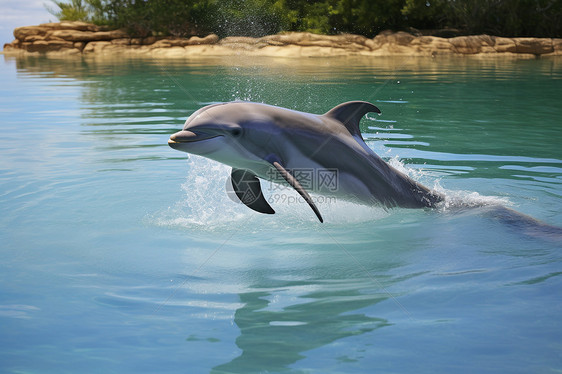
[(276, 339), (304, 289)]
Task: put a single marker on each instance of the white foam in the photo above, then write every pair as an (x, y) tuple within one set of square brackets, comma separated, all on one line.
[(469, 199), (206, 206), (335, 210), (454, 199)]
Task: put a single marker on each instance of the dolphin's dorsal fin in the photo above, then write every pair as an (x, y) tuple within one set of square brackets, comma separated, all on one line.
[(247, 188), (350, 114), (298, 187)]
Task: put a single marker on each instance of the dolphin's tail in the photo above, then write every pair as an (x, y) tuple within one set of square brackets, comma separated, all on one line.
[(523, 223)]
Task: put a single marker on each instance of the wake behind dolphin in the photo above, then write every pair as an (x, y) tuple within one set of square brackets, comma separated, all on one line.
[(325, 154)]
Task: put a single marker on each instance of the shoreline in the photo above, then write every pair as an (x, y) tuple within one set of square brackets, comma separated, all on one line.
[(83, 39)]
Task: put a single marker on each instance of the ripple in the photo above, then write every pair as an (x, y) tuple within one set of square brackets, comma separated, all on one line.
[(18, 311)]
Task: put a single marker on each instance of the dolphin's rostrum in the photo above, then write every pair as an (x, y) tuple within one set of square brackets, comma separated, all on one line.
[(278, 144)]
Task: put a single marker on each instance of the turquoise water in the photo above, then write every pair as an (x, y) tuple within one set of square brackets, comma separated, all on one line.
[(120, 255)]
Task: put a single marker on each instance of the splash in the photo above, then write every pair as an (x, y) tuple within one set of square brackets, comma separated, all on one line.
[(288, 203), (414, 173), (458, 200), (453, 199), (204, 204)]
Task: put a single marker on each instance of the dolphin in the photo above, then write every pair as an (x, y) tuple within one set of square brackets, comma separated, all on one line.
[(325, 154)]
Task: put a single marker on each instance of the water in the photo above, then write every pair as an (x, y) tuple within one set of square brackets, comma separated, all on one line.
[(117, 255)]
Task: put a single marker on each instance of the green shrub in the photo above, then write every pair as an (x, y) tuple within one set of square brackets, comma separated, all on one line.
[(76, 10), (247, 17), (508, 17), (366, 17)]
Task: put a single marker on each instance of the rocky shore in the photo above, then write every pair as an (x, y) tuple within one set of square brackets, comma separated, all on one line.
[(79, 38)]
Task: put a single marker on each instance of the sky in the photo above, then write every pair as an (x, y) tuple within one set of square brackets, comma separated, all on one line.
[(15, 13)]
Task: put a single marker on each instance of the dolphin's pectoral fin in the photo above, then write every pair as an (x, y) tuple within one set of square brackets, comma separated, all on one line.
[(247, 188), (350, 114), (297, 186)]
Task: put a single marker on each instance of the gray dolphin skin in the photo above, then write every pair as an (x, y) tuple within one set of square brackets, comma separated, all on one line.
[(324, 154)]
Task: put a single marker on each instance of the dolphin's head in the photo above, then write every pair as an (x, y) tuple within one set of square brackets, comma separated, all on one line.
[(233, 133)]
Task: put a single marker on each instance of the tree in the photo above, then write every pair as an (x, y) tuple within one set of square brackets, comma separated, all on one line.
[(366, 17), (76, 10)]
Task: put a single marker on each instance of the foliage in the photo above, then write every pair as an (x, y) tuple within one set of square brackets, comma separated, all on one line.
[(76, 10), (366, 17), (508, 17), (248, 17), (143, 18), (426, 14)]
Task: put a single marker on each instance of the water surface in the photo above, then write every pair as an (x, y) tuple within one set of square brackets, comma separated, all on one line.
[(121, 255)]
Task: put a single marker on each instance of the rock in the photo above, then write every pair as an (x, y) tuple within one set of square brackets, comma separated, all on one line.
[(557, 46), (150, 40), (433, 45), (287, 38), (503, 45), (473, 44), (121, 41), (345, 41), (239, 40), (87, 36), (243, 43), (357, 39), (182, 42), (400, 38), (209, 39), (79, 45), (35, 38), (273, 40), (162, 43), (414, 31), (13, 46), (314, 42), (81, 37), (21, 33), (45, 46), (387, 42), (67, 25), (466, 44), (96, 47), (42, 30), (536, 46), (487, 43), (370, 43), (318, 43)]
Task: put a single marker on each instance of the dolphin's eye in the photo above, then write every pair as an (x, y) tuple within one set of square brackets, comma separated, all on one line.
[(236, 132)]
